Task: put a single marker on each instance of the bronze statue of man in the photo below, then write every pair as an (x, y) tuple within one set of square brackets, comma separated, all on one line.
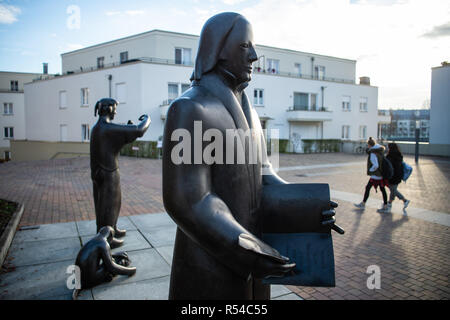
[(107, 139), (218, 253)]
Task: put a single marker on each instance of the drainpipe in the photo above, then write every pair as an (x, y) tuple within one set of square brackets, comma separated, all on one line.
[(110, 79), (322, 88), (312, 67)]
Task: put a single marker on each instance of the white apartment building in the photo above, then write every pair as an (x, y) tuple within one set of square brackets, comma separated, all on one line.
[(303, 95), (12, 117), (440, 106)]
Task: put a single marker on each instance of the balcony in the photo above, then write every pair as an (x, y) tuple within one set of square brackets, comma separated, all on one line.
[(384, 116), (164, 107), (274, 72), (304, 114)]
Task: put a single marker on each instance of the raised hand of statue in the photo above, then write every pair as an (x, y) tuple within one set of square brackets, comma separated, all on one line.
[(330, 220)]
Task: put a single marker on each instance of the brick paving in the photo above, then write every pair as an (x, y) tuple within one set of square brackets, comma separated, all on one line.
[(413, 255)]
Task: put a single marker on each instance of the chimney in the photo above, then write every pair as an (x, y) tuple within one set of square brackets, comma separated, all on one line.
[(364, 81), (45, 71)]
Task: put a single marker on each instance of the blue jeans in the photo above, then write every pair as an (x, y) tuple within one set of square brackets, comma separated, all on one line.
[(394, 193)]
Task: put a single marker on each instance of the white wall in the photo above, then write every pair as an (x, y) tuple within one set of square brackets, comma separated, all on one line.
[(16, 120), (440, 106)]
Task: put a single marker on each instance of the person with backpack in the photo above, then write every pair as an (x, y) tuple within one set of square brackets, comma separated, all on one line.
[(396, 158), (374, 170)]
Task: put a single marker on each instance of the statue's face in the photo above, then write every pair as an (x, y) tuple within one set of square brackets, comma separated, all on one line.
[(113, 111), (238, 53)]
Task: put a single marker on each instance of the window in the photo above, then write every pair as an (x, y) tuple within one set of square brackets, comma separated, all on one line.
[(7, 108), (172, 92), (7, 155), (362, 132), (85, 132), (8, 132), (101, 62), (123, 56), (63, 132), (121, 92), (298, 69), (14, 85), (363, 104), (184, 87), (258, 97), (183, 56), (84, 96), (273, 66), (346, 103), (345, 132), (62, 99), (305, 101), (319, 72)]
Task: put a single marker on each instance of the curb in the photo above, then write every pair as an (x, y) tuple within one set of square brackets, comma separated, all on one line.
[(8, 233)]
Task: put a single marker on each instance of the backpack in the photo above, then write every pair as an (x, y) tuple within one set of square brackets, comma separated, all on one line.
[(387, 170), (407, 170)]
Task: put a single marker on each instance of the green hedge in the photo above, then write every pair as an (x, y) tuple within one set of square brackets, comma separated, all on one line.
[(147, 149), (321, 145)]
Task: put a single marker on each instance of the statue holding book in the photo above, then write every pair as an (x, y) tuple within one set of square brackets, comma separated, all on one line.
[(229, 214)]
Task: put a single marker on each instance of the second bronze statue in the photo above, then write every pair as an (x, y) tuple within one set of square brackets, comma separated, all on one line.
[(107, 139)]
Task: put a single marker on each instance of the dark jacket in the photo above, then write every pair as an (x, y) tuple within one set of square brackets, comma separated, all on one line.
[(396, 159)]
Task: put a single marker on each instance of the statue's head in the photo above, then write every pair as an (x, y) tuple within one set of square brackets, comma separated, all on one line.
[(106, 107), (107, 232), (226, 40)]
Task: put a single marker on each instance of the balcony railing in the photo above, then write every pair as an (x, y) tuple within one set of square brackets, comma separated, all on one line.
[(305, 108), (308, 115), (275, 72)]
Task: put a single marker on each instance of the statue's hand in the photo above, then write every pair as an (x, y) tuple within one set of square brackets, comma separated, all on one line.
[(122, 259), (130, 122), (143, 117), (268, 267), (330, 220)]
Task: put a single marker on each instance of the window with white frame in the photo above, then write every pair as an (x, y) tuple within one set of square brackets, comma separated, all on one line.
[(319, 72), (63, 99), (121, 92), (63, 132), (84, 96), (298, 69), (8, 108), (362, 132), (172, 92), (8, 132), (14, 85), (273, 66), (305, 101), (345, 132), (346, 103), (183, 56), (363, 104), (184, 87), (258, 97), (85, 132), (123, 56)]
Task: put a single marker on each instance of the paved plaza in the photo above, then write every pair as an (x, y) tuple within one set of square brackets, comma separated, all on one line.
[(411, 248)]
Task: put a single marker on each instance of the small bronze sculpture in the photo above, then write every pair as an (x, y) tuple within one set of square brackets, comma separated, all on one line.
[(107, 139), (218, 253), (98, 250)]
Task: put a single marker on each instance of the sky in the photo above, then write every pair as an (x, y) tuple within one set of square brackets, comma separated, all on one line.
[(395, 42)]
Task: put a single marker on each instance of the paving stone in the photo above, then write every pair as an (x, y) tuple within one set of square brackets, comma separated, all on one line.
[(277, 290), (154, 289), (132, 241), (89, 227), (46, 232), (166, 252), (44, 251), (290, 296), (161, 235), (152, 221), (35, 282)]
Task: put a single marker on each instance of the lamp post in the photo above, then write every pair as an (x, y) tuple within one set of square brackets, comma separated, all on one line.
[(417, 140)]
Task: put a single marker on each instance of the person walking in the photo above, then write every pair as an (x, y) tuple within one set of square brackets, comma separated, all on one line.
[(376, 180), (396, 158)]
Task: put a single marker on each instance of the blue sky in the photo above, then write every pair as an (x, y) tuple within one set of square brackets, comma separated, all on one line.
[(395, 42)]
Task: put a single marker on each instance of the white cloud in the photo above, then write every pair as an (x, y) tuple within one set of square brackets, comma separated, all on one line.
[(232, 2), (134, 12), (8, 13), (112, 13)]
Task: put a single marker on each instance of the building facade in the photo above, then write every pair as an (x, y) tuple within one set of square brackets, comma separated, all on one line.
[(12, 118), (404, 123), (440, 105), (302, 95)]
